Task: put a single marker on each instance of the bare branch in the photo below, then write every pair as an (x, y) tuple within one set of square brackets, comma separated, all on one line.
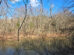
[(23, 19), (0, 1)]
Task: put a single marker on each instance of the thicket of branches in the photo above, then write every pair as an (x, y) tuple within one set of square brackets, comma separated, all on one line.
[(23, 21)]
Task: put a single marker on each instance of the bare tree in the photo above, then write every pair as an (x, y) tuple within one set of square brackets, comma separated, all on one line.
[(24, 17), (51, 8), (69, 4), (0, 1), (41, 1)]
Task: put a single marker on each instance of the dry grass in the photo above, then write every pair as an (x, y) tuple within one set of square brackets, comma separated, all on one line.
[(41, 34)]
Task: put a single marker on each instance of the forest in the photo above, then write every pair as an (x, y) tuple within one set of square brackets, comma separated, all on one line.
[(36, 27)]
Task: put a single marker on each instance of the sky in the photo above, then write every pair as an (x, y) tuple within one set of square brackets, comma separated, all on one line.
[(35, 2), (56, 4)]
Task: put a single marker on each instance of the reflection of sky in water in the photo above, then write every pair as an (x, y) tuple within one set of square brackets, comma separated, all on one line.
[(12, 51), (7, 51)]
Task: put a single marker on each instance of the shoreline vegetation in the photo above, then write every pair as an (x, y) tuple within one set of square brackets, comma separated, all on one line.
[(47, 36), (36, 27)]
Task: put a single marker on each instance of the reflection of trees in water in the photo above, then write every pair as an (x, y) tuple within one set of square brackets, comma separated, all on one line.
[(12, 51)]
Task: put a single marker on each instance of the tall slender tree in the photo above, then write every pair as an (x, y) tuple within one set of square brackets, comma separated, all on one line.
[(25, 3)]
